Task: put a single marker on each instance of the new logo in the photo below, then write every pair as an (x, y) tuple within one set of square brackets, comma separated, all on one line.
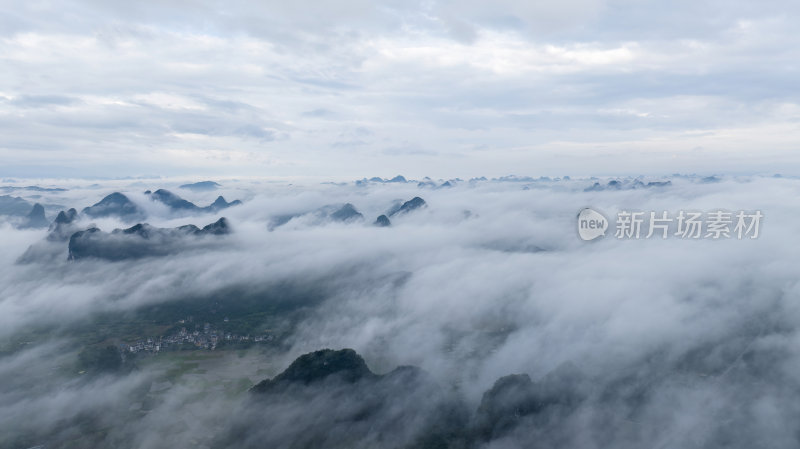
[(591, 224)]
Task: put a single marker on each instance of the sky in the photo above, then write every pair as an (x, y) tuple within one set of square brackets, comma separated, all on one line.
[(352, 88)]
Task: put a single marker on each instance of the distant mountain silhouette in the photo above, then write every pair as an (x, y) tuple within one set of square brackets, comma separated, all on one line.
[(346, 213), (615, 184), (62, 227), (219, 227), (115, 204), (516, 401), (220, 204), (377, 179), (14, 205), (410, 205), (173, 201), (280, 220), (405, 408), (201, 186), (352, 407), (52, 247), (427, 182), (33, 188), (66, 217), (141, 240), (382, 221), (36, 218), (398, 178), (316, 366), (176, 203)]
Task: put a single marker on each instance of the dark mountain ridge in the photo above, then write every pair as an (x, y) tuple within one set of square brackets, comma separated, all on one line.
[(176, 203), (330, 398), (141, 240), (115, 204)]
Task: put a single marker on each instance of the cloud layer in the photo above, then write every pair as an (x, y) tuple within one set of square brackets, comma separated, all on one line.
[(681, 342), (425, 88)]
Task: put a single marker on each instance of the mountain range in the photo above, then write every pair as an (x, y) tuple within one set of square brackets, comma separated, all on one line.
[(141, 240), (330, 398)]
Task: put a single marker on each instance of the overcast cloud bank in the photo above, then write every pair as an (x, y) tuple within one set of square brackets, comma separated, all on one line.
[(455, 88)]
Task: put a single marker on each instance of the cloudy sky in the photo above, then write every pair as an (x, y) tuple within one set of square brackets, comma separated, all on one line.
[(355, 88)]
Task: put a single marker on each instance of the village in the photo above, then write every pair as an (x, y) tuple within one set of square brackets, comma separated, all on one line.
[(208, 338)]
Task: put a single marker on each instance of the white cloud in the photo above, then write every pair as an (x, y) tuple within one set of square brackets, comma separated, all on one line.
[(149, 82)]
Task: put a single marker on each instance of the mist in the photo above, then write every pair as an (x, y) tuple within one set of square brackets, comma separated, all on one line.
[(671, 343)]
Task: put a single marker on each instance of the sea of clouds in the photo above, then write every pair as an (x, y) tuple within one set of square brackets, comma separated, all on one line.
[(682, 343)]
